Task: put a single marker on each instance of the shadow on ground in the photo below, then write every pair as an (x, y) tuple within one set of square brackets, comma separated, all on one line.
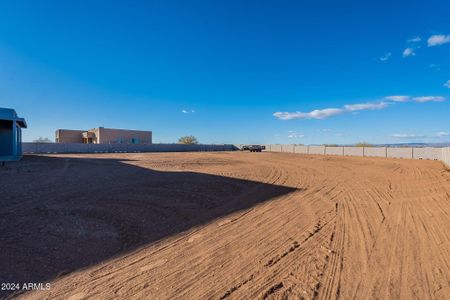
[(60, 214)]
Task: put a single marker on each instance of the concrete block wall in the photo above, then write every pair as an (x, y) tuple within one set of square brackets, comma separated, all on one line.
[(430, 153), (445, 156), (375, 151), (427, 153), (316, 150), (288, 148), (400, 152), (73, 148), (301, 149), (276, 148), (354, 151), (98, 148), (267, 147), (117, 148), (334, 150)]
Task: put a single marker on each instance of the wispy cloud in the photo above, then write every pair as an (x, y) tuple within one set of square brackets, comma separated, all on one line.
[(295, 135), (421, 99), (415, 39), (438, 135), (329, 112), (386, 56), (447, 84), (365, 106), (429, 99), (438, 39), (398, 98), (315, 114), (443, 134), (187, 111), (408, 52), (435, 67), (407, 136), (319, 114)]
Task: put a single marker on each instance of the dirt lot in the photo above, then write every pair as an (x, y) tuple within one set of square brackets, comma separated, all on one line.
[(225, 226)]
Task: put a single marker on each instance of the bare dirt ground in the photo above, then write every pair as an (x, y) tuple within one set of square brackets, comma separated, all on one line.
[(225, 226)]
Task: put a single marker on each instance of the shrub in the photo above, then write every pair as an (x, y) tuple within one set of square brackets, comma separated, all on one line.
[(188, 140), (42, 140), (363, 144)]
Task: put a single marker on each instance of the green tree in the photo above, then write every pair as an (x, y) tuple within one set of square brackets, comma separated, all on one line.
[(188, 140)]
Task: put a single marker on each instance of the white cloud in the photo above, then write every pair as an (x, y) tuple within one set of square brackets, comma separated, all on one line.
[(407, 136), (436, 67), (415, 39), (353, 108), (429, 99), (315, 114), (365, 106), (447, 84), (398, 98), (438, 39), (408, 52), (421, 99), (293, 135), (386, 56), (187, 111), (443, 133), (329, 112)]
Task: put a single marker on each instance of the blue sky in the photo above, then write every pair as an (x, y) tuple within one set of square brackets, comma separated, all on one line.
[(231, 71)]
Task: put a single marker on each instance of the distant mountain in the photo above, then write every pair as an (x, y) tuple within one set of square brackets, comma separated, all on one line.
[(444, 144)]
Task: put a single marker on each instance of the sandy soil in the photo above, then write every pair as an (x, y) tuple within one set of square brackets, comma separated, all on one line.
[(225, 226)]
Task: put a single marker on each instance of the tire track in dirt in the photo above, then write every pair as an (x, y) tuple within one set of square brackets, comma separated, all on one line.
[(354, 228)]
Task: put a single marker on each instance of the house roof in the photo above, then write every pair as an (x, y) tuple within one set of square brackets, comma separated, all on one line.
[(11, 115)]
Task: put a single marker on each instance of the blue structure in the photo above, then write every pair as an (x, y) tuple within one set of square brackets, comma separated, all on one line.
[(10, 135)]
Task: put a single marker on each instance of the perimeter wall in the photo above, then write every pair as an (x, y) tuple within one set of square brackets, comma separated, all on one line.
[(445, 156), (431, 153), (113, 148)]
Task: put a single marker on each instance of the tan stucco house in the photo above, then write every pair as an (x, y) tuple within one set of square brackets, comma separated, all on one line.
[(103, 135)]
